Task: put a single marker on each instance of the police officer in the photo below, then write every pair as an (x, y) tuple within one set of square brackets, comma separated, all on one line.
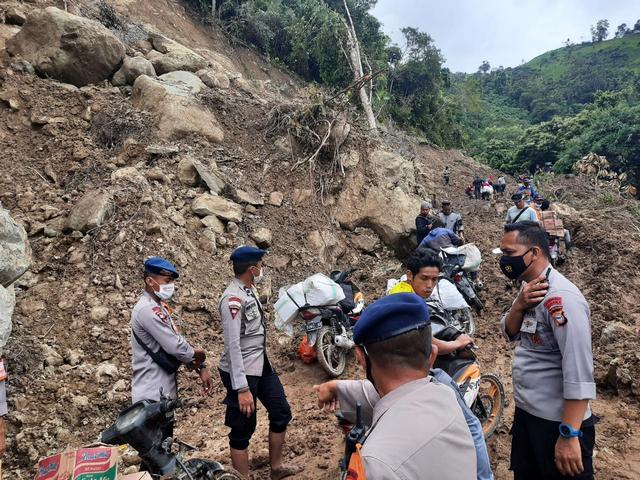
[(416, 424), (451, 220), (553, 427), (245, 369), (157, 347)]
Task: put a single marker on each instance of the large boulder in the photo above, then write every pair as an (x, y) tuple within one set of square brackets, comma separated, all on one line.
[(192, 172), (7, 304), (90, 211), (328, 246), (206, 204), (176, 56), (15, 251), (388, 212), (177, 113), (132, 68), (391, 170), (66, 47)]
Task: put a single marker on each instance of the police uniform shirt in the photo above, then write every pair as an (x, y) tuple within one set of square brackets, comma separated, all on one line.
[(418, 431), (153, 324), (553, 359), (453, 221), (244, 333)]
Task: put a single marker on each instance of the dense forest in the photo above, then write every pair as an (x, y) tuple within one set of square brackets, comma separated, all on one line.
[(550, 111)]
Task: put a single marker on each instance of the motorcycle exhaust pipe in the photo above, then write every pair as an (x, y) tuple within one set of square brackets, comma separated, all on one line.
[(343, 342)]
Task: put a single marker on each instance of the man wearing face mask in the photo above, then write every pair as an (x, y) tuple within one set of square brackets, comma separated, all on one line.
[(553, 428), (245, 369), (416, 428), (158, 350)]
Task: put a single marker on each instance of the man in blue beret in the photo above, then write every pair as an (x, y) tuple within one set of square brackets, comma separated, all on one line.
[(245, 369), (158, 349), (415, 423)]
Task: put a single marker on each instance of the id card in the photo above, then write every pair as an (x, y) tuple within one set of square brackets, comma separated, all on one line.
[(529, 324)]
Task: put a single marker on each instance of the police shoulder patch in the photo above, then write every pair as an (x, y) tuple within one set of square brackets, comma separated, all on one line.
[(157, 311), (556, 310), (235, 305)]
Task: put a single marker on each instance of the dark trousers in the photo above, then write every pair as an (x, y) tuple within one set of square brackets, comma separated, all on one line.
[(476, 191), (266, 388), (533, 448)]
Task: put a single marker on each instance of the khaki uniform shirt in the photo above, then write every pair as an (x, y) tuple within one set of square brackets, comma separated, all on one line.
[(153, 324), (243, 324), (553, 359), (418, 431)]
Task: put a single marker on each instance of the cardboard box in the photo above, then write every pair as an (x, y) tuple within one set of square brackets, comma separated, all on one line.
[(91, 463), (137, 476)]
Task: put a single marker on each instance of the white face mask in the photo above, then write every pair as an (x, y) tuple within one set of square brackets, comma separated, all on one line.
[(166, 291), (258, 278)]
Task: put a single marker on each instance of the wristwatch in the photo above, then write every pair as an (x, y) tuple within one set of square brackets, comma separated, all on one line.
[(567, 431)]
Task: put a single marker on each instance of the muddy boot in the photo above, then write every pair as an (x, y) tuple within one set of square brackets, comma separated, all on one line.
[(286, 471)]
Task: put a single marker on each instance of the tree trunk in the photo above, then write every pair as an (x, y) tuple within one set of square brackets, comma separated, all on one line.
[(356, 66)]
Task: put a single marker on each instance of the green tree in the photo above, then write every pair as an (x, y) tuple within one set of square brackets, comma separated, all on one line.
[(622, 30), (485, 67), (601, 31)]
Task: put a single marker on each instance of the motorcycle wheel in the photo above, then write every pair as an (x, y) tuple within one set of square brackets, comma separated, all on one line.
[(331, 357), (466, 321), (489, 405), (227, 475)]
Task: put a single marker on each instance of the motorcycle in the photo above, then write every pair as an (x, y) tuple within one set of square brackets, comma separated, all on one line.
[(462, 319), (453, 270), (483, 393), (143, 426), (330, 328)]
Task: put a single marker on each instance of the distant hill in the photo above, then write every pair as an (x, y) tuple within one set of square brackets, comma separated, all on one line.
[(562, 81)]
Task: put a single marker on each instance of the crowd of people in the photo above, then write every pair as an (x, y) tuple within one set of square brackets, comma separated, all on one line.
[(418, 425)]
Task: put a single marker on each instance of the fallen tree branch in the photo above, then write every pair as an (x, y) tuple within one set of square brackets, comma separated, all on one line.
[(322, 144)]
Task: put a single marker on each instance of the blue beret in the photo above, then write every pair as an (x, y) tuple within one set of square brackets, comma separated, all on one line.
[(247, 254), (160, 266), (391, 316)]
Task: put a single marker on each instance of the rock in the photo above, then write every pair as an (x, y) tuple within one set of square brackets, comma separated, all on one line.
[(214, 223), (278, 262), (263, 237), (99, 314), (175, 110), (12, 99), (128, 174), (358, 206), (80, 401), (132, 68), (66, 47), (301, 196), (563, 209), (6, 32), (350, 159), (155, 174), (162, 150), (213, 79), (250, 209), (51, 357), (615, 331), (366, 241), (176, 217), (275, 199), (391, 170), (7, 305), (252, 198), (106, 371), (13, 16), (339, 131), (211, 177), (186, 80), (29, 306), (15, 250), (74, 357), (176, 56), (90, 211), (187, 173), (328, 246), (206, 204), (233, 228), (207, 241)]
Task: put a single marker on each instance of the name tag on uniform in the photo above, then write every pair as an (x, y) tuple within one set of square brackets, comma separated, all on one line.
[(530, 323)]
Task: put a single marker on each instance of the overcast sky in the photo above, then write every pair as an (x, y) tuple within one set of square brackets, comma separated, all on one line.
[(504, 32)]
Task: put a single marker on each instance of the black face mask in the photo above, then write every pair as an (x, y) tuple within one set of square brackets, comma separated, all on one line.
[(514, 267)]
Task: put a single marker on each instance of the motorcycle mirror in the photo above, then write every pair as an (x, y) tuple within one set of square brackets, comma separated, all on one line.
[(496, 251)]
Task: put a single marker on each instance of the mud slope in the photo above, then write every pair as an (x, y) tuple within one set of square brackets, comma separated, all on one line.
[(69, 353)]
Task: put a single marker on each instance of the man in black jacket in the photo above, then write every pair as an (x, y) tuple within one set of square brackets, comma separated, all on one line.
[(423, 222)]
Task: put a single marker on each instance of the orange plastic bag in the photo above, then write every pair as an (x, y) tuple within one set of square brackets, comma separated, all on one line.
[(306, 352), (356, 466)]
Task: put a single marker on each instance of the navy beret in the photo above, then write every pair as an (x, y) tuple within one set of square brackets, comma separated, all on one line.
[(247, 254), (391, 316), (160, 266)]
